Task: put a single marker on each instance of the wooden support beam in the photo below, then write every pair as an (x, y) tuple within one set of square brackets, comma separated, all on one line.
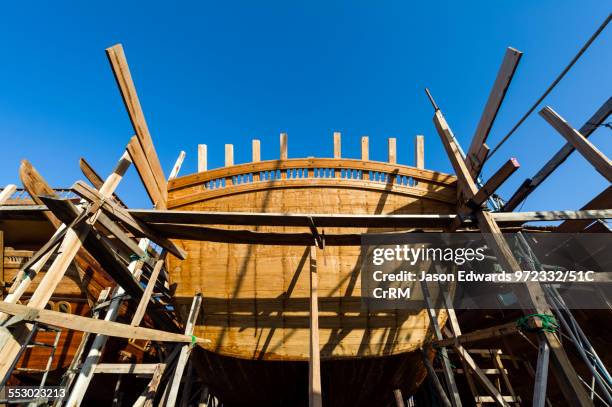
[(127, 284), (315, 395), (68, 250), (127, 368), (564, 370), (229, 155), (541, 376), (392, 150), (283, 146), (530, 184), (494, 182), (466, 187), (478, 150), (337, 145), (121, 70), (202, 157), (597, 159), (451, 385), (399, 399), (116, 212), (147, 397), (138, 156), (431, 372), (481, 334), (480, 375), (7, 192), (419, 152), (177, 165), (175, 383), (256, 151), (35, 184), (93, 177), (365, 148), (91, 325), (601, 201), (146, 296)]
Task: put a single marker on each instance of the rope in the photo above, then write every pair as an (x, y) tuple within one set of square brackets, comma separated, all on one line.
[(550, 88), (549, 323)]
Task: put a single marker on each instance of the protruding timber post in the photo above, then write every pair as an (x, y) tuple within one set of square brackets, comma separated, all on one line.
[(283, 146), (229, 155), (365, 148), (256, 144), (314, 366), (175, 383), (597, 159), (337, 144), (392, 150), (479, 150), (202, 157), (419, 152), (7, 192)]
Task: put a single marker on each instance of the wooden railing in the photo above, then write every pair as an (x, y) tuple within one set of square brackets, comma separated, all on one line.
[(315, 172)]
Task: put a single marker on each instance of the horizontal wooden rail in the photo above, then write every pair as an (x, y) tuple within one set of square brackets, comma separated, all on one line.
[(310, 168)]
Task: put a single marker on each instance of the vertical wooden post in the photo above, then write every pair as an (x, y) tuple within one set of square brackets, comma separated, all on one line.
[(419, 152), (202, 157), (175, 383), (539, 391), (399, 400), (229, 155), (365, 155), (314, 366), (337, 145), (365, 148), (392, 150), (283, 146), (256, 151)]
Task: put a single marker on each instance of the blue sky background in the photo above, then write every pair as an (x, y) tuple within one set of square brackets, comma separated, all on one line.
[(227, 72)]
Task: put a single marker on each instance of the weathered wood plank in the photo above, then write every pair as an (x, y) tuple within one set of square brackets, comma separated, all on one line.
[(597, 159), (96, 326), (202, 157), (121, 70), (530, 184), (365, 148), (337, 144), (495, 182), (315, 395), (229, 155), (475, 157), (283, 146), (419, 152), (95, 179), (256, 146), (145, 172), (392, 146)]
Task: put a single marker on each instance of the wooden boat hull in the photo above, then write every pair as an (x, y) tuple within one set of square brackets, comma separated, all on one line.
[(256, 296)]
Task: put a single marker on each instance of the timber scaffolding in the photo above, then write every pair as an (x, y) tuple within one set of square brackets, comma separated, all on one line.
[(93, 226)]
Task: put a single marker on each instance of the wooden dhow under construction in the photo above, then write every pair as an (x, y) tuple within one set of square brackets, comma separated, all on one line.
[(242, 284)]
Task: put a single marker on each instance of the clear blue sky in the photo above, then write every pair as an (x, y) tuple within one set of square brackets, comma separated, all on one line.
[(227, 72)]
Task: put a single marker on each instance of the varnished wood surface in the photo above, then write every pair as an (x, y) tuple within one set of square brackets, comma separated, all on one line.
[(256, 297)]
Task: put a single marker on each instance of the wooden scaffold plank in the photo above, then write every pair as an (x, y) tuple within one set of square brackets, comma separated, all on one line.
[(315, 392), (597, 159), (562, 368)]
